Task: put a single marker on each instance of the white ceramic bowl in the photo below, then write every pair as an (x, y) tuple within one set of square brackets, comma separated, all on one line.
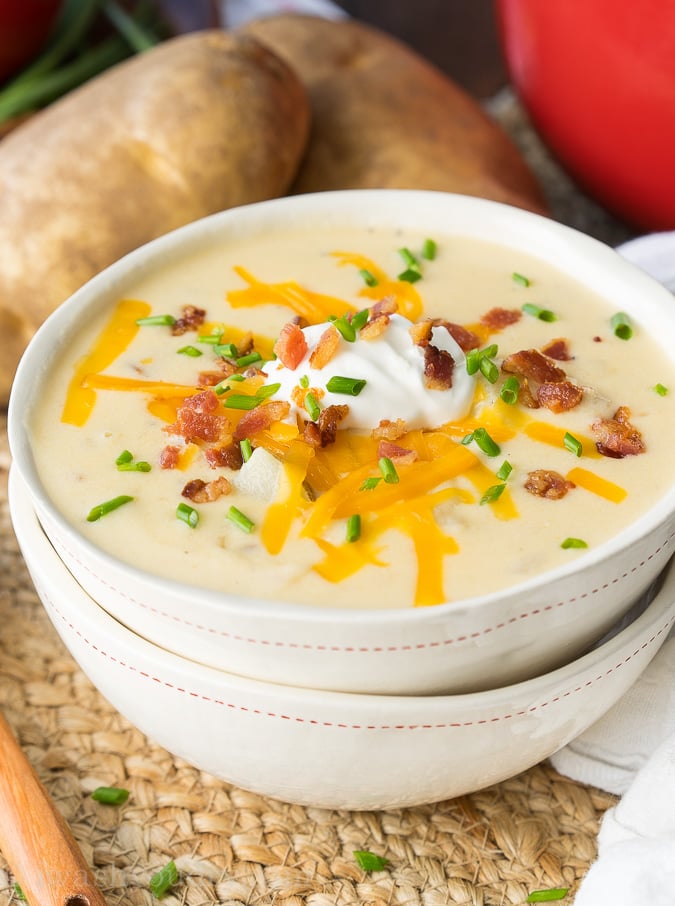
[(467, 645), (331, 749)]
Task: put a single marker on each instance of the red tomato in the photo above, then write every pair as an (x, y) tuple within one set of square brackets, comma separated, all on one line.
[(24, 29), (598, 80)]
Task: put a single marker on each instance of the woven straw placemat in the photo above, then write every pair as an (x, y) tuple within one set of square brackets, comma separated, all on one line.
[(537, 830)]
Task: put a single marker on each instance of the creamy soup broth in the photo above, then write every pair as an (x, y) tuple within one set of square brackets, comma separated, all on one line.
[(450, 549)]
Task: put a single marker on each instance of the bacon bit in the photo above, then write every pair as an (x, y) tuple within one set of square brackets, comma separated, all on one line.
[(420, 332), (532, 364), (228, 456), (169, 457), (245, 345), (499, 318), (291, 346), (374, 327), (324, 431), (559, 396), (191, 319), (465, 339), (558, 349), (401, 455), (206, 491), (525, 396), (388, 430), (438, 368), (325, 349), (618, 437), (386, 306), (196, 419), (264, 416), (548, 484), (211, 378)]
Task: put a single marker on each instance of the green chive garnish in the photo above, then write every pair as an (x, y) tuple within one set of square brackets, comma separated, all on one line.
[(211, 339), (504, 471), (409, 259), (509, 391), (304, 382), (246, 449), (187, 514), (360, 318), (237, 377), (140, 466), (227, 350), (573, 542), (483, 441), (370, 483), (241, 401), (489, 370), (240, 520), (346, 329), (156, 321), (312, 406), (102, 509), (661, 390), (267, 390), (368, 278), (621, 325), (354, 527), (124, 457), (369, 861), (519, 278), (221, 388), (110, 795), (494, 492), (472, 361), (249, 359), (547, 896), (544, 314), (347, 385), (572, 444), (164, 879), (429, 249), (190, 350), (388, 470), (481, 360), (18, 892), (410, 275)]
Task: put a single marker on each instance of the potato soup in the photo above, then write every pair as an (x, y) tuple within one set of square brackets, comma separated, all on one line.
[(361, 420)]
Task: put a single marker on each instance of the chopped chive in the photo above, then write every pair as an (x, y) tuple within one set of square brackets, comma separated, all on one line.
[(360, 318), (125, 456), (466, 440), (221, 388), (267, 390), (622, 326), (237, 377), (472, 361), (18, 892), (312, 406), (241, 401), (490, 351), (163, 879), (102, 509), (110, 795), (544, 314), (156, 321), (485, 443), (547, 896), (572, 444), (661, 389), (488, 369), (140, 466), (504, 470), (240, 520), (369, 861), (246, 449), (370, 483), (481, 360), (211, 339), (429, 249), (573, 542), (368, 278), (388, 470), (187, 514), (304, 382), (190, 350), (249, 359), (410, 275), (519, 278), (346, 385), (494, 492), (227, 350), (346, 328), (408, 258), (353, 527), (509, 391)]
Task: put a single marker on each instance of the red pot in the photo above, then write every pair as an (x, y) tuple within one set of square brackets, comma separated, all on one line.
[(24, 28), (598, 80)]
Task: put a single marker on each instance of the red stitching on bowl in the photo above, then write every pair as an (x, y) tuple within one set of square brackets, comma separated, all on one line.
[(313, 722), (349, 649)]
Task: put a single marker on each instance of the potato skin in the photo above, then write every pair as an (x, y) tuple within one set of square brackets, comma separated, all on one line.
[(200, 123), (382, 116)]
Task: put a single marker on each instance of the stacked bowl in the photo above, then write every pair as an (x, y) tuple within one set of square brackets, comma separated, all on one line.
[(361, 702)]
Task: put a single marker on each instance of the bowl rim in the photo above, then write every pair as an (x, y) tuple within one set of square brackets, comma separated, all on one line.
[(476, 217)]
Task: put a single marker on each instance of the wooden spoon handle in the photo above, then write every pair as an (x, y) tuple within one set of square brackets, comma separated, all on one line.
[(34, 838)]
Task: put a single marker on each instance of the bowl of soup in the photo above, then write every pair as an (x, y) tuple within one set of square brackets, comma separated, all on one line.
[(336, 749), (394, 442)]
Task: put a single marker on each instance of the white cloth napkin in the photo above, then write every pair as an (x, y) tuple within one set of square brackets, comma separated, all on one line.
[(631, 750)]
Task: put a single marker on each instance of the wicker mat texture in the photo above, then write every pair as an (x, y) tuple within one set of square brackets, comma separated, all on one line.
[(233, 847)]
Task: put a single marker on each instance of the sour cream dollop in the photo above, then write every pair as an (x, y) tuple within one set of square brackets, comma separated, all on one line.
[(393, 367)]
